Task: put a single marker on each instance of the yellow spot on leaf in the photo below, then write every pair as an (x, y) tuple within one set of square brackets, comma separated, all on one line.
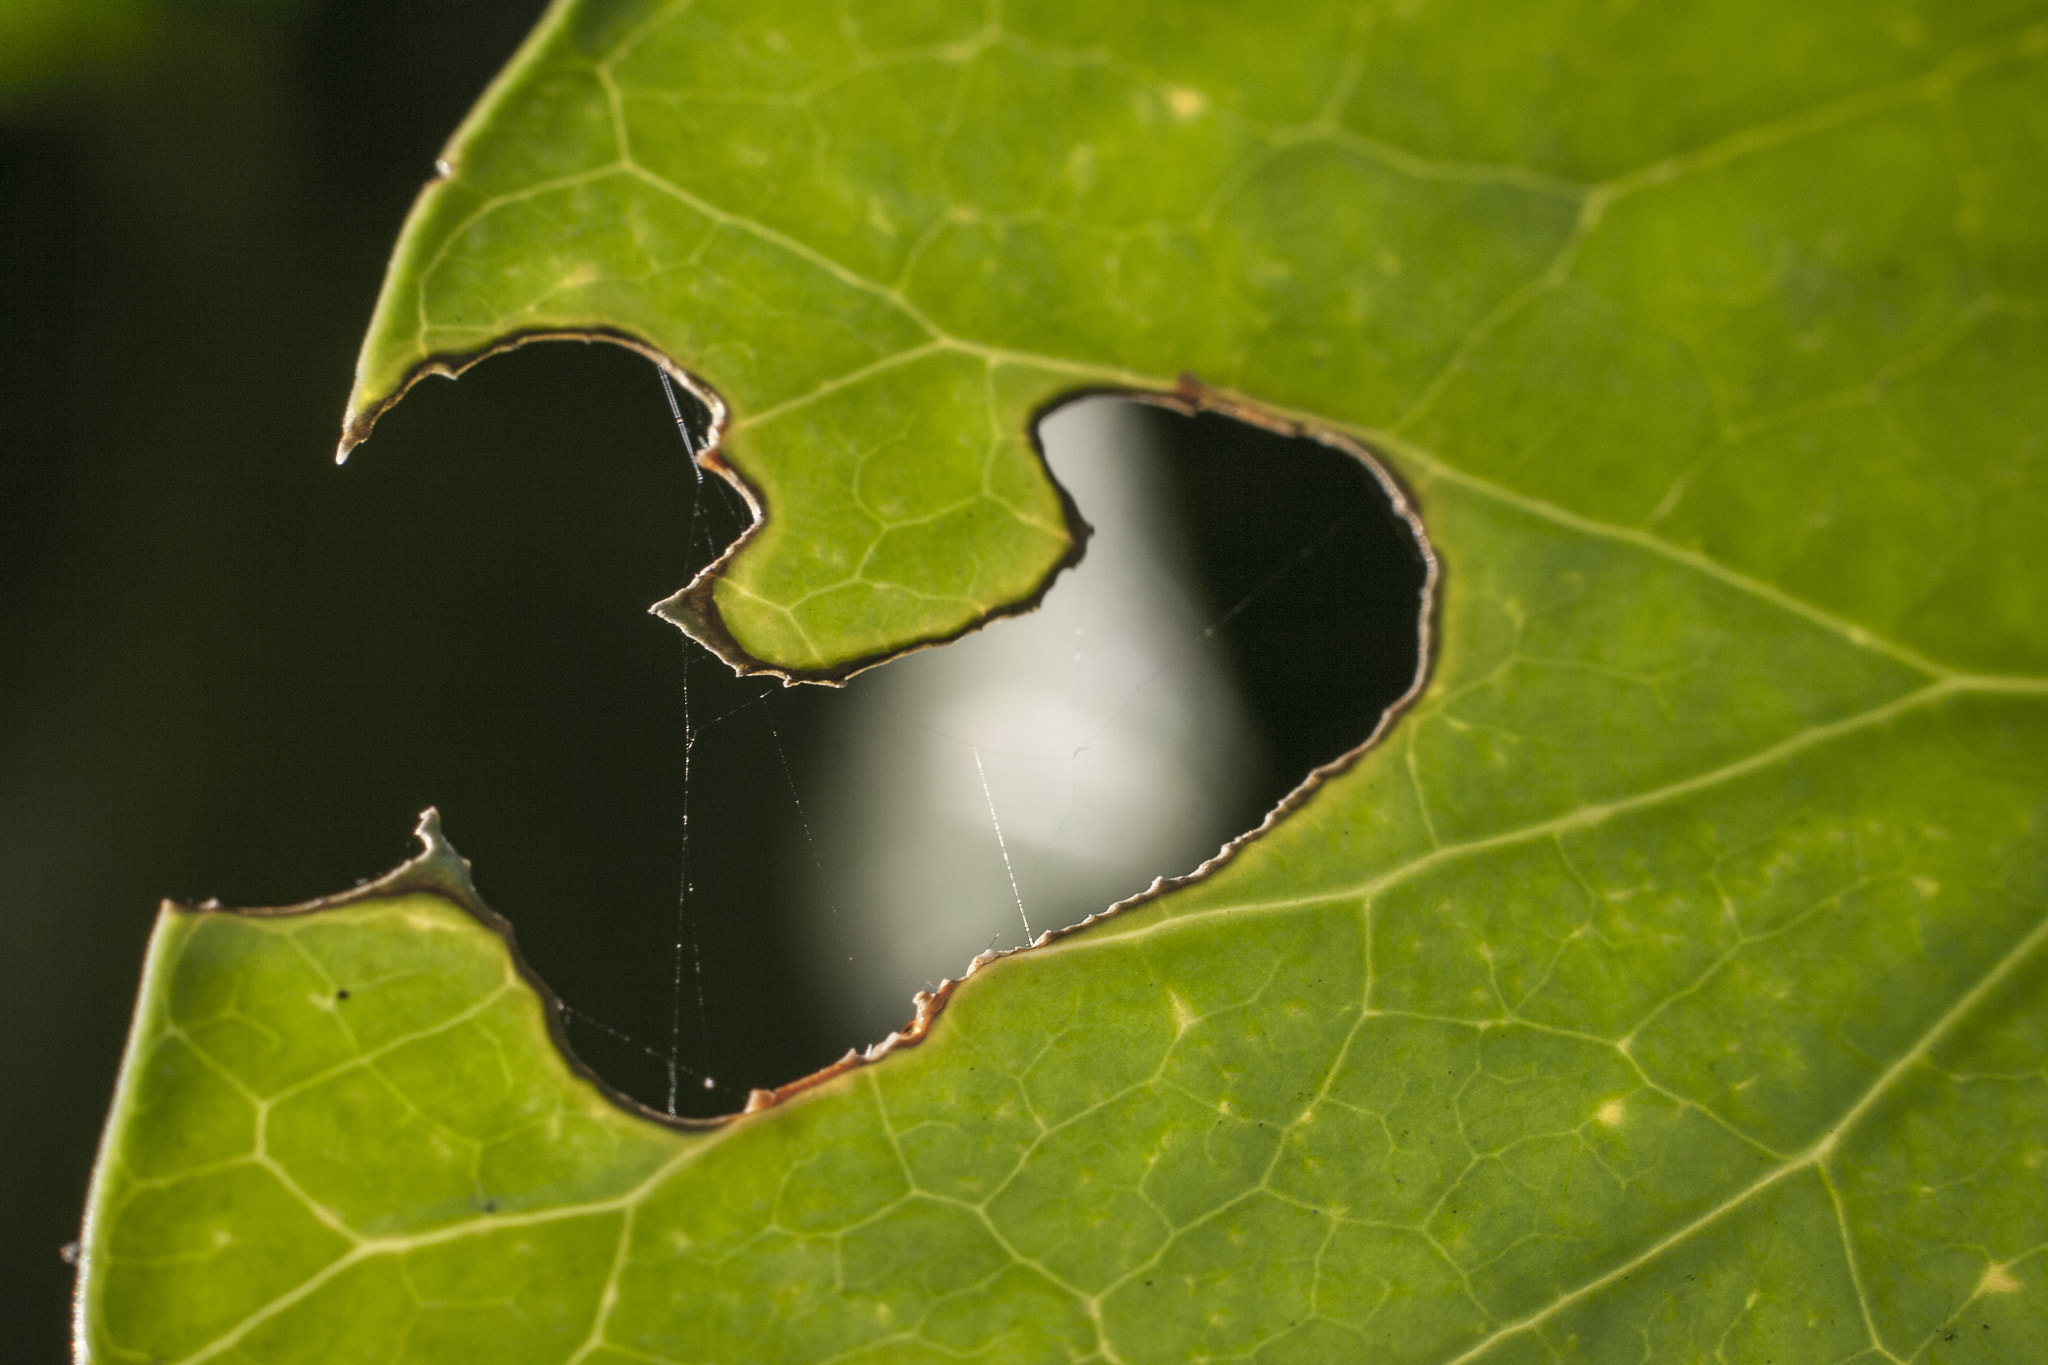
[(1997, 1280), (1610, 1113), (1183, 1017), (1186, 103)]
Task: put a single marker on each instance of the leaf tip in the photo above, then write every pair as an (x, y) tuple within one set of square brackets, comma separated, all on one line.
[(437, 862), (357, 420)]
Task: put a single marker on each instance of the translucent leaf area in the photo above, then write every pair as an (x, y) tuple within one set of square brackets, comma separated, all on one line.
[(1668, 983)]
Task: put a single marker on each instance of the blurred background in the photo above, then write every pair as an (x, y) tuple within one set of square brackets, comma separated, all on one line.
[(229, 669)]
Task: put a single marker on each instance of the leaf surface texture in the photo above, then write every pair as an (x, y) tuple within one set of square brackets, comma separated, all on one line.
[(1667, 984)]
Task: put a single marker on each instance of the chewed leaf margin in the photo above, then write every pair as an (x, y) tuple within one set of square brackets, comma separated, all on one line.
[(438, 869), (693, 608)]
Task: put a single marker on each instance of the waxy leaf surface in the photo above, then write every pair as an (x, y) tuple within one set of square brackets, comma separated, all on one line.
[(1669, 982)]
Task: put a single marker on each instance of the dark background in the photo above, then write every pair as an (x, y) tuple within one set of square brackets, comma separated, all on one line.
[(229, 669)]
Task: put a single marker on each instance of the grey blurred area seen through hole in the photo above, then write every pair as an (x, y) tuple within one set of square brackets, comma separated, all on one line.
[(1040, 769)]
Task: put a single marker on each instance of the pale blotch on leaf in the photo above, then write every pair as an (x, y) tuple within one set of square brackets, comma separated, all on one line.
[(1997, 1280)]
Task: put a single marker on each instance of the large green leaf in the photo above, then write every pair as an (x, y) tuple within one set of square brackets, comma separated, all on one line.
[(1669, 983)]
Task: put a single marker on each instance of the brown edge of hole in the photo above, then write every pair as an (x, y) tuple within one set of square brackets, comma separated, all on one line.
[(693, 609), (356, 426), (1189, 397), (439, 870)]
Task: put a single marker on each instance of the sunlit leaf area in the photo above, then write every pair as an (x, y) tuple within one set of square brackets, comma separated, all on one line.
[(1359, 684)]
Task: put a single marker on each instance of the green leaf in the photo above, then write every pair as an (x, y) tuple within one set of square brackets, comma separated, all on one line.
[(1668, 983)]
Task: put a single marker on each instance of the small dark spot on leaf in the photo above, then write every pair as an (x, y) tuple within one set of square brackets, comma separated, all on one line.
[(341, 995), (490, 1206)]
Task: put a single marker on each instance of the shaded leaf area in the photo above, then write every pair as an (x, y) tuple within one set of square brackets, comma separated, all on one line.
[(1667, 984), (885, 240)]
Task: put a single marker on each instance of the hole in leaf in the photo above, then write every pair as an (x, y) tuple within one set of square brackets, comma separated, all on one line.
[(473, 592), (1246, 611)]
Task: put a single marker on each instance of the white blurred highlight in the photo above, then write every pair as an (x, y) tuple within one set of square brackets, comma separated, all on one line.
[(1111, 737)]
